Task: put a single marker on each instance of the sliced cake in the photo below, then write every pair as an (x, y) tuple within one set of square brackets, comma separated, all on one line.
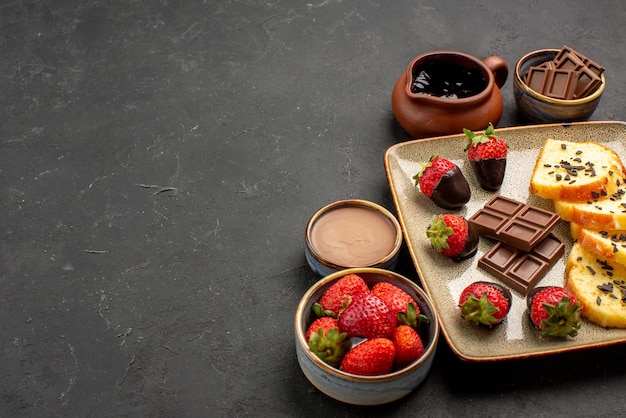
[(610, 245), (576, 171), (599, 285), (604, 213)]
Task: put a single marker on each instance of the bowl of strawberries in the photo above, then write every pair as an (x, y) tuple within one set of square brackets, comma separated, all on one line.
[(365, 336)]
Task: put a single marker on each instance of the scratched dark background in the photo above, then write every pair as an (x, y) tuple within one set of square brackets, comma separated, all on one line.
[(159, 161)]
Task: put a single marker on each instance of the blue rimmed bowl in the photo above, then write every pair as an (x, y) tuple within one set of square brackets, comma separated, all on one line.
[(365, 390), (352, 233)]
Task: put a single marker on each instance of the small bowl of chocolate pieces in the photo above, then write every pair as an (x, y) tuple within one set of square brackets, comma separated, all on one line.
[(557, 85)]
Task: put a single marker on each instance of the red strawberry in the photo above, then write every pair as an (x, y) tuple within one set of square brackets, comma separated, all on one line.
[(412, 317), (335, 297), (370, 358), (325, 323), (367, 316), (396, 298), (443, 182), (487, 156), (330, 346), (554, 311), (452, 236), (485, 303), (408, 344)]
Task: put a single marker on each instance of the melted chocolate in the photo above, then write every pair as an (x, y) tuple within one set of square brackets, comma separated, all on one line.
[(471, 244), (533, 292), (453, 191), (490, 173), (447, 80)]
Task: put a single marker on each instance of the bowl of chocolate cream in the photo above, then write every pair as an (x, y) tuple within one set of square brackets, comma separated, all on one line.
[(352, 233)]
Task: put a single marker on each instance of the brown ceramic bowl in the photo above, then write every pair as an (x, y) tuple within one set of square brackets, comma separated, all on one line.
[(428, 115), (544, 109)]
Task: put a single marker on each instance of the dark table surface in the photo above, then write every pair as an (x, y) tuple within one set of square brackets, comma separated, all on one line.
[(159, 161)]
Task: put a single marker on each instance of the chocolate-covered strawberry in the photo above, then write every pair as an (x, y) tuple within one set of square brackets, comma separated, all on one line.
[(452, 236), (443, 182), (554, 311), (487, 156), (485, 303)]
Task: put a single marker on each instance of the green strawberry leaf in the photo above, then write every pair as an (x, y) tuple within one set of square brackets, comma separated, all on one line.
[(330, 348), (468, 133), (490, 130), (438, 232), (564, 319), (424, 166), (411, 318), (479, 311), (483, 138), (321, 312)]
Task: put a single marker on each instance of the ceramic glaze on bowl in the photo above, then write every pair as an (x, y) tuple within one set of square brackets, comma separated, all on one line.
[(365, 390), (544, 109), (352, 233)]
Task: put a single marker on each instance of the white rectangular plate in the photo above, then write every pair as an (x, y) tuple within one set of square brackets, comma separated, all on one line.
[(443, 279)]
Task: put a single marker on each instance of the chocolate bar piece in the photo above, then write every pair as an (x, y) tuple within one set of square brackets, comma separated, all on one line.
[(592, 65), (536, 81), (536, 78), (554, 82), (588, 78), (514, 223), (588, 81), (561, 84), (568, 60), (548, 64), (522, 270)]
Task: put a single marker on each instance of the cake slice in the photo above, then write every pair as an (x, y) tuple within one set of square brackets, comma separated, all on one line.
[(610, 245), (606, 213), (599, 286), (576, 171)]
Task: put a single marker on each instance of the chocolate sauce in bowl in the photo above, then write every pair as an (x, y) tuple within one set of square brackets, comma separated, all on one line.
[(353, 236), (447, 80)]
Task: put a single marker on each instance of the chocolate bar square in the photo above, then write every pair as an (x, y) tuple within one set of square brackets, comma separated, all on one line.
[(568, 61), (536, 78), (592, 65), (561, 83), (516, 224), (587, 82), (522, 270)]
